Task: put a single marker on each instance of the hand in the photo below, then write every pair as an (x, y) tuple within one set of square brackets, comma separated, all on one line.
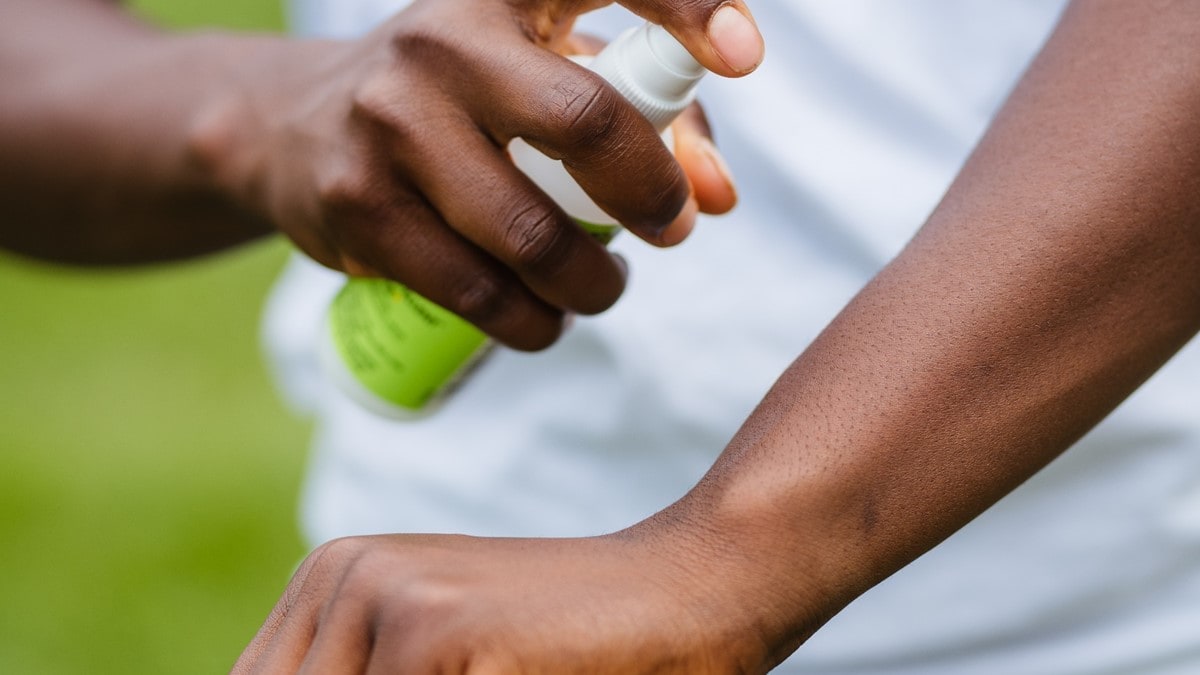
[(385, 157), (620, 604)]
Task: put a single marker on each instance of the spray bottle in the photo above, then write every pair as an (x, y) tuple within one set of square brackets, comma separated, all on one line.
[(398, 354)]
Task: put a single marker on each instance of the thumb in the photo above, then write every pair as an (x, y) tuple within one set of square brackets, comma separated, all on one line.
[(720, 34)]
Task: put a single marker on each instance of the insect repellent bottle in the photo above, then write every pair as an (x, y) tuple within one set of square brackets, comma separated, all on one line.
[(398, 354)]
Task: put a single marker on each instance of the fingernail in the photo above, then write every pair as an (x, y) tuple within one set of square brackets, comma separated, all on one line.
[(735, 39), (717, 161)]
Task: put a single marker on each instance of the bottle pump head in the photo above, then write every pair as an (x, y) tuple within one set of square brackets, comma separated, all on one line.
[(651, 69)]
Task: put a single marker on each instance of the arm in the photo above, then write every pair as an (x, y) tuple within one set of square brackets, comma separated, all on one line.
[(1056, 276), (96, 114), (385, 156), (1058, 273)]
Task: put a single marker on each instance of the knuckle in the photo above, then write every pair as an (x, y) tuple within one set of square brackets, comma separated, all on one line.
[(374, 98), (586, 112), (440, 608), (443, 600), (326, 562), (535, 238), (366, 570), (338, 551), (380, 115), (344, 188), (421, 43), (480, 299)]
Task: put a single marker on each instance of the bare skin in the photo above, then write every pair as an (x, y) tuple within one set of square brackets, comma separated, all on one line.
[(382, 156), (1058, 273), (1055, 277)]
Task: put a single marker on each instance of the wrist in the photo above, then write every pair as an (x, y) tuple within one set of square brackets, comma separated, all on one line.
[(224, 143), (760, 587), (235, 145), (787, 557)]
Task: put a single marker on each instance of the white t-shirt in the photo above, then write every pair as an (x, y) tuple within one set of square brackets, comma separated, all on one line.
[(843, 142)]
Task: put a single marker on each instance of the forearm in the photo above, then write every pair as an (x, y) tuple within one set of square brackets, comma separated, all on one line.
[(1056, 276), (102, 133)]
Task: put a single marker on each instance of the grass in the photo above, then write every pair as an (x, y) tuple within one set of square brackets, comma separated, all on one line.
[(148, 476)]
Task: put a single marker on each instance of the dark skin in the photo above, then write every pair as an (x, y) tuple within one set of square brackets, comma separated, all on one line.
[(1058, 273), (1055, 277), (382, 156)]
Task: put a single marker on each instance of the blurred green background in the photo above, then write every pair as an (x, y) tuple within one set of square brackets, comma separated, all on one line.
[(148, 475)]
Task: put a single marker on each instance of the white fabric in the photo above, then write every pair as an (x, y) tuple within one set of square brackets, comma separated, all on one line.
[(843, 142)]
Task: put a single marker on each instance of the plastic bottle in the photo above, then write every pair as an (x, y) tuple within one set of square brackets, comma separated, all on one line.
[(398, 354)]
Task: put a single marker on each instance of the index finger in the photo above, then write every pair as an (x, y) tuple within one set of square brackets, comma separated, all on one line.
[(569, 113)]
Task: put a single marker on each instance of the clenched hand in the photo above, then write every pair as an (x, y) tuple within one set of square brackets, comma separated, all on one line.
[(386, 156)]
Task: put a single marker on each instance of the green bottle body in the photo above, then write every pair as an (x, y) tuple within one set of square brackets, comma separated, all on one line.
[(399, 354)]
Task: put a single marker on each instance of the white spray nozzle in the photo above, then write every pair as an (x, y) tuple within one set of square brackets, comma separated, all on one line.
[(674, 56), (651, 69)]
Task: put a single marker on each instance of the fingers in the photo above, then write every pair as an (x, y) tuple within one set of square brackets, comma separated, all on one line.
[(570, 113), (713, 187), (712, 182), (343, 639), (542, 263), (721, 34), (408, 240), (500, 210), (434, 202), (282, 642)]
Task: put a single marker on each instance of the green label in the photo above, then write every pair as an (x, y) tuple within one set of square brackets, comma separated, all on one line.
[(405, 349), (400, 346)]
